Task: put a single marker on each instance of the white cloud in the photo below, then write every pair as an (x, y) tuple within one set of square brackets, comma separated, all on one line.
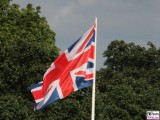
[(88, 2), (62, 13)]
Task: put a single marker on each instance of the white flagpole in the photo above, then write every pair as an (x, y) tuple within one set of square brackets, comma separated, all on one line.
[(94, 80)]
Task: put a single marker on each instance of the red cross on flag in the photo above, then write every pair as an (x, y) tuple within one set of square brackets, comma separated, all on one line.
[(71, 71)]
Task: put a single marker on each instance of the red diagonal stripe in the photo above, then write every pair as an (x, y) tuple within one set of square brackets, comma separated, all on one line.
[(86, 41), (89, 76), (81, 73), (37, 94)]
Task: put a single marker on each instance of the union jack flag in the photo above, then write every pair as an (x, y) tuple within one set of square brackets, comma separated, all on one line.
[(71, 71)]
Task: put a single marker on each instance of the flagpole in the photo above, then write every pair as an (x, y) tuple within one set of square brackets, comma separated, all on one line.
[(94, 80)]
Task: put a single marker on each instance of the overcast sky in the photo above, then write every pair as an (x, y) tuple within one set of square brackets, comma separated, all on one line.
[(135, 21)]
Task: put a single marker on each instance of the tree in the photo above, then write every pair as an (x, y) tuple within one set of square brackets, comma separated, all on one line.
[(27, 47), (129, 84)]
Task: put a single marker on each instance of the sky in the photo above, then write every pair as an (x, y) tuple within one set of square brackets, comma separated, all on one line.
[(136, 21)]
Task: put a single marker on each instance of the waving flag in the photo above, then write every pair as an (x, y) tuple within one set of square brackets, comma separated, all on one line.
[(71, 71)]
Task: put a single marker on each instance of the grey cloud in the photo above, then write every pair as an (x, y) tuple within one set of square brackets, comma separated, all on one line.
[(131, 20)]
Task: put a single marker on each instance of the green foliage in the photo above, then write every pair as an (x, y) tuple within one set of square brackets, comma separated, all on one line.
[(126, 87), (129, 85), (27, 48), (14, 106)]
